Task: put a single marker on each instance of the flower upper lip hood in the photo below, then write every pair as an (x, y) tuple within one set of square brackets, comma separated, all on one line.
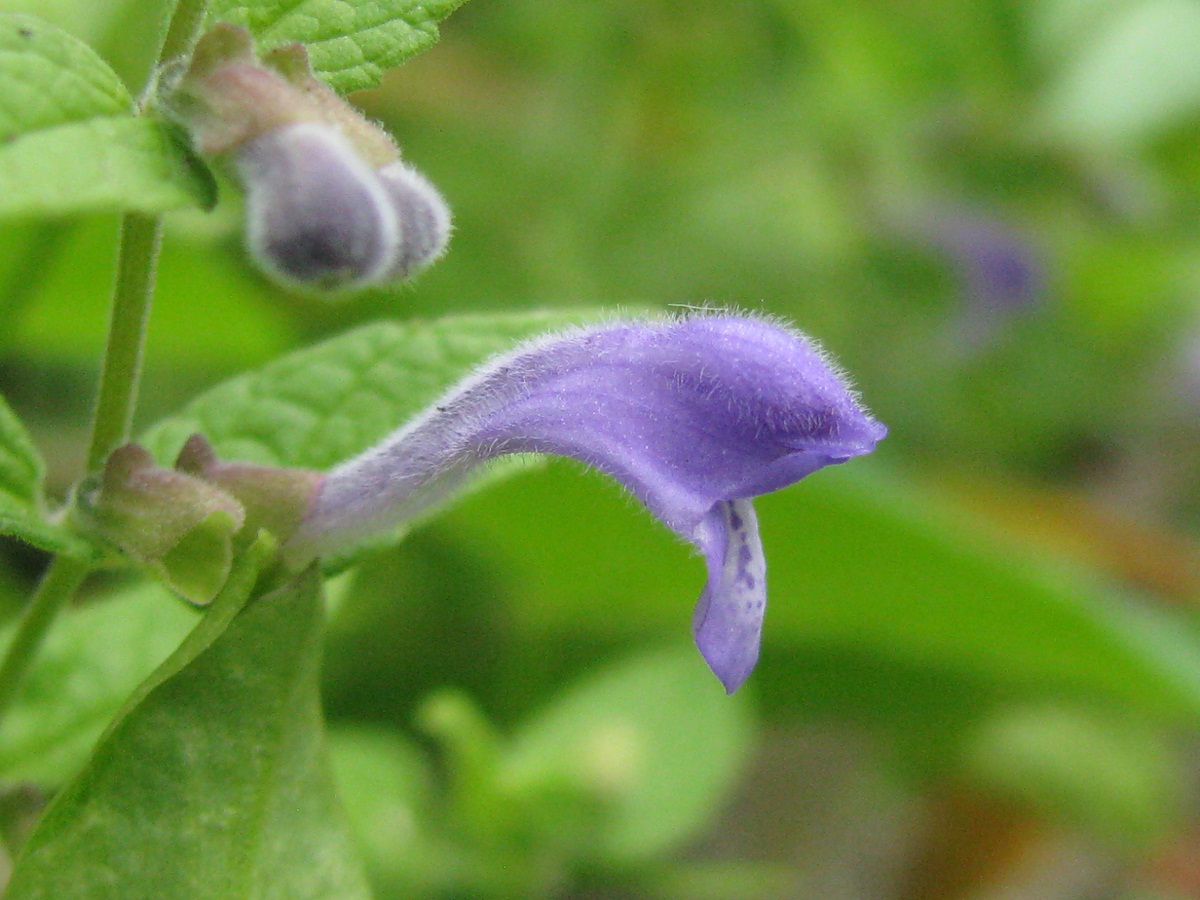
[(693, 415)]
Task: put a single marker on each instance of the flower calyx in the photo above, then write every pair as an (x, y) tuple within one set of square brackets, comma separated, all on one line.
[(274, 499), (184, 524)]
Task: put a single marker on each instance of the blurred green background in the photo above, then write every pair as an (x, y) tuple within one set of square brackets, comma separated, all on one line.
[(981, 669)]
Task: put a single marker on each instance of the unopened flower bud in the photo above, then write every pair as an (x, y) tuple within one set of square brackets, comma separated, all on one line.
[(423, 216), (329, 205), (316, 215)]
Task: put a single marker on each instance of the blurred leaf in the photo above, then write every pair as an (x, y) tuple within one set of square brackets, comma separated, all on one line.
[(351, 42), (104, 163), (722, 879), (399, 604), (211, 317), (21, 469), (1126, 288), (51, 78), (85, 19), (943, 588), (91, 662), (216, 783), (1107, 776), (385, 785), (655, 738), (1139, 76), (125, 33), (21, 474), (1059, 27), (859, 563)]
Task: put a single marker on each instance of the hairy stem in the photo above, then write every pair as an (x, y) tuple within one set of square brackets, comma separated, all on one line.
[(58, 585), (183, 29), (119, 378), (120, 375), (141, 236)]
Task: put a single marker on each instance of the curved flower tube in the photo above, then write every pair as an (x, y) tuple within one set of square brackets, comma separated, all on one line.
[(694, 416)]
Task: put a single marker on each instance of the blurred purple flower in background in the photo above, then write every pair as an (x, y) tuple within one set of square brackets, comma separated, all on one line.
[(999, 268), (694, 416), (1000, 272)]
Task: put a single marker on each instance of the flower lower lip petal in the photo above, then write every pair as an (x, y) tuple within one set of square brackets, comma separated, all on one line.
[(728, 620)]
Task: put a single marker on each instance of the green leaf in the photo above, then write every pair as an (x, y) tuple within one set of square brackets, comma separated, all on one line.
[(655, 736), (21, 506), (91, 662), (215, 783), (68, 139), (114, 163), (51, 79), (1140, 76), (325, 403), (351, 42), (41, 534)]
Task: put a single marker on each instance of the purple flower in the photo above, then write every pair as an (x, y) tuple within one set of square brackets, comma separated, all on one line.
[(1000, 269), (1001, 272), (695, 416)]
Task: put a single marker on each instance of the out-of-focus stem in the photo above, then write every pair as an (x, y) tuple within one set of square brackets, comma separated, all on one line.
[(58, 585), (120, 375)]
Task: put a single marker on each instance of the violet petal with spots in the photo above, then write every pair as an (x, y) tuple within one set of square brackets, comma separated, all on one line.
[(694, 416)]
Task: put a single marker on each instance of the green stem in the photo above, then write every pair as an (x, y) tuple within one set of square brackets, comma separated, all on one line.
[(141, 236), (58, 585), (183, 29), (119, 378)]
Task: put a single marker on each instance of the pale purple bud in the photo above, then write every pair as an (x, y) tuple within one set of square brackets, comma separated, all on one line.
[(694, 416), (423, 216), (316, 214), (329, 204)]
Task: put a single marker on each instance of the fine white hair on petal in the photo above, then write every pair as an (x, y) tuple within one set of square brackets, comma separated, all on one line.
[(367, 492), (679, 367)]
